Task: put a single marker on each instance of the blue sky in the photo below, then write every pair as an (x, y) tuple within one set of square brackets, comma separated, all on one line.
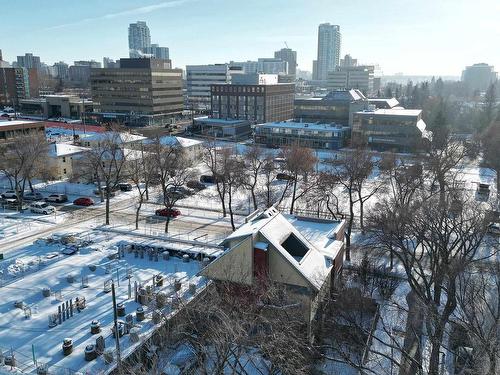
[(414, 37)]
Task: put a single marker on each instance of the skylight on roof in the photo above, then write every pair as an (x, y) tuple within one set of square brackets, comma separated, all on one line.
[(295, 247)]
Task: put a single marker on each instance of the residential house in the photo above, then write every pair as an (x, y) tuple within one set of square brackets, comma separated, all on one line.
[(304, 255)]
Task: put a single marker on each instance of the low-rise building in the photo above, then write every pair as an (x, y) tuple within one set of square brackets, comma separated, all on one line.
[(53, 106), (256, 103), (9, 130), (383, 103), (61, 159), (303, 255), (312, 135), (221, 128), (192, 148), (395, 129), (336, 107)]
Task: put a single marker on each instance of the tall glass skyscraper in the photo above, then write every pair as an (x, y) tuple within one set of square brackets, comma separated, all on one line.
[(329, 39), (139, 38)]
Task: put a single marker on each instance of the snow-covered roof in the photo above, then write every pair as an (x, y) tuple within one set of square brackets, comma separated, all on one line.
[(65, 149), (118, 137), (171, 140), (396, 111), (317, 235), (21, 122)]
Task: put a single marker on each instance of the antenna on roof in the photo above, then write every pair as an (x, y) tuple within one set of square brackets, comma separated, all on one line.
[(286, 45)]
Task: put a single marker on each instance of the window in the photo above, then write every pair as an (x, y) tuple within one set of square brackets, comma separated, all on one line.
[(64, 170), (64, 159)]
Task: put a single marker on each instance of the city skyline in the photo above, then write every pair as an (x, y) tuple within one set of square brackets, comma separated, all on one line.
[(416, 39)]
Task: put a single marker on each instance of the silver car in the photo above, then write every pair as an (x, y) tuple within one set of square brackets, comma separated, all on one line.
[(42, 208)]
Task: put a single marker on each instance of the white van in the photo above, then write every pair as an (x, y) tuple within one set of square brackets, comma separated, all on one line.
[(42, 208)]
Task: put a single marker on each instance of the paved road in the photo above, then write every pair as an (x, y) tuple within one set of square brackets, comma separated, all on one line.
[(194, 223)]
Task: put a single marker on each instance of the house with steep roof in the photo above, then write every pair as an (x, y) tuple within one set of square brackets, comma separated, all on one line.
[(304, 255)]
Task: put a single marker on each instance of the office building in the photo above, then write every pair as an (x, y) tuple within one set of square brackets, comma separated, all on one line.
[(29, 61), (53, 106), (329, 40), (266, 65), (62, 70), (255, 79), (315, 70), (143, 91), (221, 128), (352, 77), (348, 62), (311, 135), (17, 84), (394, 129), (108, 62), (199, 78), (139, 38), (3, 64), (79, 73), (157, 52), (290, 57), (255, 103), (245, 66), (336, 107), (479, 76)]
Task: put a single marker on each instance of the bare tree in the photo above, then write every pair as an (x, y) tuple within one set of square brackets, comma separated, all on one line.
[(105, 164), (478, 314), (254, 161), (174, 170), (141, 171), (352, 173), (442, 164), (22, 160), (490, 142), (434, 242), (246, 330), (299, 163), (211, 158)]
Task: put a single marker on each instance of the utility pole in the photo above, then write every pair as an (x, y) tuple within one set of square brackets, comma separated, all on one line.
[(117, 334)]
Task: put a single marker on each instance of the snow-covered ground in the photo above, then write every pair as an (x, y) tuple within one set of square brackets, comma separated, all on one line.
[(42, 265)]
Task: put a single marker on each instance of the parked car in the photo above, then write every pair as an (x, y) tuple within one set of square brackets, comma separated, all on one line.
[(125, 186), (167, 212), (9, 194), (57, 198), (494, 228), (103, 189), (208, 179), (284, 176), (483, 189), (195, 185), (33, 196), (83, 201), (42, 208)]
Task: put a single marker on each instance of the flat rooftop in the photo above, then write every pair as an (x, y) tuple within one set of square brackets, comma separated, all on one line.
[(302, 125), (219, 120), (31, 268), (397, 111), (21, 122)]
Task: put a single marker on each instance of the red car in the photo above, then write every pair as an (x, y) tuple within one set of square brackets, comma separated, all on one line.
[(168, 212), (83, 201)]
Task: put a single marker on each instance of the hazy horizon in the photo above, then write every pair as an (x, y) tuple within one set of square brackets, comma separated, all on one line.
[(424, 38)]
